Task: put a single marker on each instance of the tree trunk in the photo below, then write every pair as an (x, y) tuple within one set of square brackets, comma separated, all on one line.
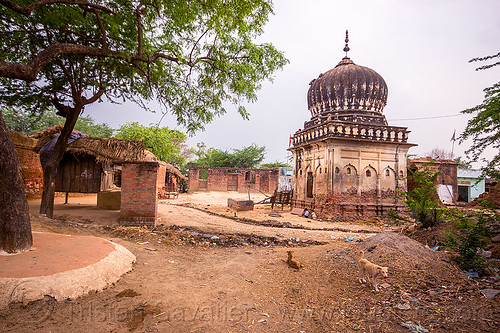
[(15, 226), (49, 170)]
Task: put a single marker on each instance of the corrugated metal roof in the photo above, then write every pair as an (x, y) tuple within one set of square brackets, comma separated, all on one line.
[(469, 173)]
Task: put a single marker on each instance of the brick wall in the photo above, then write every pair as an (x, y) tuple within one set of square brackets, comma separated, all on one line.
[(273, 180), (139, 193), (350, 206), (162, 171), (217, 179), (32, 172), (193, 179)]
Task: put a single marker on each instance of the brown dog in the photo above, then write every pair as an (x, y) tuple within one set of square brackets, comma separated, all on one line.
[(292, 262), (366, 267)]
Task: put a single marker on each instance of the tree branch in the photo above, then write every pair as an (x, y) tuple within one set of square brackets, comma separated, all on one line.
[(27, 10), (30, 71), (139, 30), (104, 37), (62, 110)]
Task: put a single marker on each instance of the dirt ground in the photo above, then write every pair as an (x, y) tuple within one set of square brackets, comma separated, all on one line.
[(206, 270)]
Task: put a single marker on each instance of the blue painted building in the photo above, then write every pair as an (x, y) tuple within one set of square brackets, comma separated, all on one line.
[(470, 184)]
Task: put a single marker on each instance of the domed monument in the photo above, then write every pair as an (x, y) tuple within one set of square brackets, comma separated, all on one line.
[(347, 157)]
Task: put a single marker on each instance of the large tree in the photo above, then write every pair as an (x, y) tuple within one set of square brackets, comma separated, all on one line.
[(15, 227), (191, 57), (167, 145), (484, 127)]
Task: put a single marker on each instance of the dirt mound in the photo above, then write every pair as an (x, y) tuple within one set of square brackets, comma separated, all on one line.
[(414, 261), (422, 287)]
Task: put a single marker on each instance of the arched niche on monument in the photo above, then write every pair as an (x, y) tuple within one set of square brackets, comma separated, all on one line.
[(348, 179), (369, 179), (388, 179)]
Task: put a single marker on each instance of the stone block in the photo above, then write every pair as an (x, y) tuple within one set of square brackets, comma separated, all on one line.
[(240, 205)]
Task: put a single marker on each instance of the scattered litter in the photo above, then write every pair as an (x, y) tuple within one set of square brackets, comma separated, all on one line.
[(490, 293), (214, 237), (414, 328), (142, 243), (171, 261), (413, 299), (265, 314), (487, 254), (271, 262), (472, 274), (350, 239), (405, 306), (385, 285), (244, 327), (435, 248), (261, 320), (149, 249)]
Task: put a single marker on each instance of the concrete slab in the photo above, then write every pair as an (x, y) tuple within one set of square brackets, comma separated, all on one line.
[(240, 205), (61, 266)]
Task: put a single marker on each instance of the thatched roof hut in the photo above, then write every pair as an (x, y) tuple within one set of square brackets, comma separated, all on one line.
[(22, 141), (104, 149), (173, 170)]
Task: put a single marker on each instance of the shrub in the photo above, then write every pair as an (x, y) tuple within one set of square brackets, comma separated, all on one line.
[(422, 198), (467, 237)]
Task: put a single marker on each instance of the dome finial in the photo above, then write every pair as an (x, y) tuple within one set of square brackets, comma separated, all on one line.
[(346, 47)]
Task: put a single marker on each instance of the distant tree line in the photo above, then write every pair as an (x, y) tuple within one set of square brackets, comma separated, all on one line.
[(166, 144)]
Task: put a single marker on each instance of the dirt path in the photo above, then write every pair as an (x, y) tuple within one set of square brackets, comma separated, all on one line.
[(189, 217)]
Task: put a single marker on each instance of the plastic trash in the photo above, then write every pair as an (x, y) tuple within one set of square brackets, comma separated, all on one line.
[(414, 328), (350, 239), (472, 274), (435, 248)]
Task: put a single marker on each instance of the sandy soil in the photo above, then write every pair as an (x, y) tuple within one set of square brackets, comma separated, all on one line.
[(184, 283)]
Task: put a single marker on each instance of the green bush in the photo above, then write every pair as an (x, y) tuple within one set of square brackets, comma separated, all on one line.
[(467, 238), (422, 198)]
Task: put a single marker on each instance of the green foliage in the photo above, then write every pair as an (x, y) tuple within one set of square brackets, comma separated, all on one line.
[(468, 236), (422, 196), (168, 145), (484, 127), (276, 164), (28, 123), (247, 157), (87, 126), (194, 57), (462, 163)]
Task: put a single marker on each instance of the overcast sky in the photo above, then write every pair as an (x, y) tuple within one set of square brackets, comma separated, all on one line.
[(420, 47)]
